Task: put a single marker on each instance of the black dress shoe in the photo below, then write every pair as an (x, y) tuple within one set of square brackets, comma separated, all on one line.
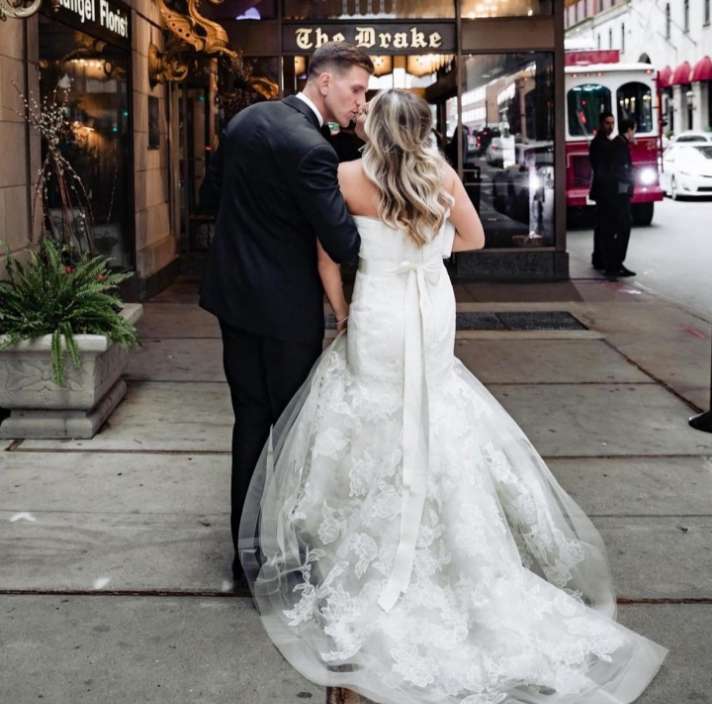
[(612, 274), (239, 583), (624, 271)]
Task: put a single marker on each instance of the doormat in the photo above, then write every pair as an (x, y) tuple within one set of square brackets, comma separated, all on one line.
[(516, 320)]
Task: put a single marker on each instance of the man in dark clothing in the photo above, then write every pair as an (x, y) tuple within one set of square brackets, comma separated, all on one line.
[(275, 178), (617, 229), (612, 189), (599, 156)]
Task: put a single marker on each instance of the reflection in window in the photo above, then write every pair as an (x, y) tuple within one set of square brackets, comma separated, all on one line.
[(635, 101), (94, 76), (584, 105), (473, 9), (367, 9), (427, 75), (241, 10), (508, 138)]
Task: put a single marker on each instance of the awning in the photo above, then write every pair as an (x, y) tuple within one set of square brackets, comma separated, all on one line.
[(664, 77), (702, 70), (681, 74)]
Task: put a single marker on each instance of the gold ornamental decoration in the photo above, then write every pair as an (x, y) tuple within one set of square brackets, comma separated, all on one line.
[(191, 35), (18, 9)]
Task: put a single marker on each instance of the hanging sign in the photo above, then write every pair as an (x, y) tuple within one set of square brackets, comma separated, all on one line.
[(376, 38), (106, 19)]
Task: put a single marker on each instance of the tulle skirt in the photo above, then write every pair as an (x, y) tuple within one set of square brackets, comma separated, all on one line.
[(510, 597)]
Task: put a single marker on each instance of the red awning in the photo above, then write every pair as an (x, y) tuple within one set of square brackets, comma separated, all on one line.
[(664, 77), (681, 74), (702, 70)]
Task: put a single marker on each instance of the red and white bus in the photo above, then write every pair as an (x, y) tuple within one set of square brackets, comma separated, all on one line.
[(597, 81)]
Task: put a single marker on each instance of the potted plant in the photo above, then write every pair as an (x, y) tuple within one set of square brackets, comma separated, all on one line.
[(64, 341)]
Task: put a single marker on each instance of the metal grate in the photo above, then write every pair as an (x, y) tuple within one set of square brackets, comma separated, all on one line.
[(519, 320)]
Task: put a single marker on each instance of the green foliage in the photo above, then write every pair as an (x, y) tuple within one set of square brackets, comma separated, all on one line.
[(47, 296)]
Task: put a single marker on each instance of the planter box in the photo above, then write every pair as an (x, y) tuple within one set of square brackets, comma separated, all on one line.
[(42, 409)]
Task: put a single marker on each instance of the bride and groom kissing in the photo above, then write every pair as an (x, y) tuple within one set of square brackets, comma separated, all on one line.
[(401, 537)]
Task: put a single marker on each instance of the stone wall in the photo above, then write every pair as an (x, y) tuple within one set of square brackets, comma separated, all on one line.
[(156, 224), (17, 160)]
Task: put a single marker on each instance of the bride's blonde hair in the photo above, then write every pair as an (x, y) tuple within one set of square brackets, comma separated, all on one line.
[(402, 161)]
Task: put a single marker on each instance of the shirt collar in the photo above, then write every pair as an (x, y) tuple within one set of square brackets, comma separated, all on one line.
[(313, 107)]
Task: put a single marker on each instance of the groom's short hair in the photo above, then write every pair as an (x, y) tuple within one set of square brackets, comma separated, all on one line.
[(339, 55)]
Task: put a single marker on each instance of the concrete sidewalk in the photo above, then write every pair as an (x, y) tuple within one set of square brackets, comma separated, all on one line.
[(114, 557)]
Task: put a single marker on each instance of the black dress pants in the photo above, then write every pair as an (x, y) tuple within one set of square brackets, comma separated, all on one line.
[(263, 374), (614, 223)]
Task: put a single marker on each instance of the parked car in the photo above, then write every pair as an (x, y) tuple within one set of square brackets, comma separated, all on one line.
[(529, 178), (692, 137), (687, 170), (500, 151)]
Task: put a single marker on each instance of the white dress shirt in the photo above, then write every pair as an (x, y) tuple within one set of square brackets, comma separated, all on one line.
[(314, 108)]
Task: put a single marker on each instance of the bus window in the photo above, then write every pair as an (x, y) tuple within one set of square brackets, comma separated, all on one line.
[(635, 101), (585, 103)]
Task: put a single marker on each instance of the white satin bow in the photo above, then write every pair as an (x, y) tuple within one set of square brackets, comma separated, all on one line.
[(415, 440)]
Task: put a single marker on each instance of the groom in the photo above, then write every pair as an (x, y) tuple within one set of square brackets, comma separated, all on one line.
[(276, 177)]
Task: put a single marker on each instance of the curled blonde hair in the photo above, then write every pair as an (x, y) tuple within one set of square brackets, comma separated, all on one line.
[(401, 160)]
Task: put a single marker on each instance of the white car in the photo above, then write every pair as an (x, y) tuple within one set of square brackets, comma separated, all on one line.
[(687, 170), (692, 137)]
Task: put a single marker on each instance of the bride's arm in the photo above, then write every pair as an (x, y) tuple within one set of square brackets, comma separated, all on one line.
[(330, 274), (469, 233)]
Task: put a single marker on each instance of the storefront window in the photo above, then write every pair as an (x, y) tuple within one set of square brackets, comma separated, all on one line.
[(508, 146), (367, 9), (585, 103), (474, 9), (94, 76), (635, 101)]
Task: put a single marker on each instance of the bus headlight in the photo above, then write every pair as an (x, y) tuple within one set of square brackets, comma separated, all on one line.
[(648, 176)]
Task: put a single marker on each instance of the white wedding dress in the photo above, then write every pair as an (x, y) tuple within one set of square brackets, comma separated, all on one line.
[(414, 546)]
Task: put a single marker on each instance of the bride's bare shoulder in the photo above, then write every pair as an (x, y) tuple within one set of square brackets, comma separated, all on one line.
[(357, 190), (350, 172)]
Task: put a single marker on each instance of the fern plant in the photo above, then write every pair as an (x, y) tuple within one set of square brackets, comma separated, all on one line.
[(48, 296)]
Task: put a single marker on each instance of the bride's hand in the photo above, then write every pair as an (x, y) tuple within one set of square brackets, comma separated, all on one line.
[(342, 322)]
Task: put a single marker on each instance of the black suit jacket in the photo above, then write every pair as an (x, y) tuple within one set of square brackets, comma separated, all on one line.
[(600, 153), (622, 166), (275, 177)]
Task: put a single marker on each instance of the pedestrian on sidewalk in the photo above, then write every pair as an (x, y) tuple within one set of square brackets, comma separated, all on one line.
[(599, 156), (612, 189), (617, 232)]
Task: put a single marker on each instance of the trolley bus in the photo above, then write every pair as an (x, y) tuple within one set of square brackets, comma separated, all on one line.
[(597, 81)]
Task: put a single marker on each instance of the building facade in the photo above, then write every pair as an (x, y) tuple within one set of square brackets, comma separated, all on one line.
[(93, 56), (674, 36), (491, 71)]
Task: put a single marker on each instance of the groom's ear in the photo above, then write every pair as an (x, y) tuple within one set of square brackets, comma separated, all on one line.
[(323, 82)]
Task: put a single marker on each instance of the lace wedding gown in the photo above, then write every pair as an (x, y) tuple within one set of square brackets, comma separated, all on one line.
[(413, 546)]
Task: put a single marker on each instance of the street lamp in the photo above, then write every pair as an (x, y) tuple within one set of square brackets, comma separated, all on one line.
[(703, 421)]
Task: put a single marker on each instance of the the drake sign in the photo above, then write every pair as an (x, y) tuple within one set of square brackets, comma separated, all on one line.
[(380, 39)]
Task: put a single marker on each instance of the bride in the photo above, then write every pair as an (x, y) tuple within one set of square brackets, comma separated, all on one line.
[(412, 546)]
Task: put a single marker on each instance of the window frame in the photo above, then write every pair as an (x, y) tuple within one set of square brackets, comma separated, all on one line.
[(607, 106), (651, 115)]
